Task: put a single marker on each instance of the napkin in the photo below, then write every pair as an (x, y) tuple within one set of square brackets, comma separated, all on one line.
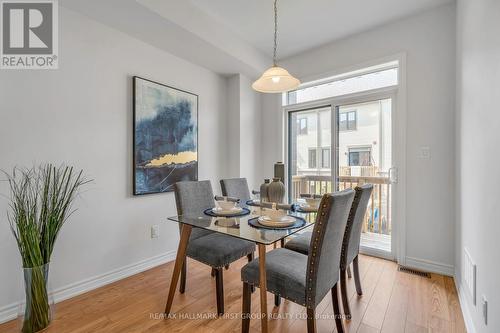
[(230, 199), (278, 206), (311, 196)]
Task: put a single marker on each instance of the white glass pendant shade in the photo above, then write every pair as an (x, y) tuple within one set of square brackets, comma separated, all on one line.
[(276, 80)]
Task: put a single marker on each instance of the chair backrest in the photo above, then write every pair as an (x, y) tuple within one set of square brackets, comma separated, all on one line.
[(323, 263), (237, 188), (193, 197), (352, 236)]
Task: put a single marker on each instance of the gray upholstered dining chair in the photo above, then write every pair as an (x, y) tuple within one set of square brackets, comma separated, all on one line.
[(213, 249), (306, 279), (350, 243), (236, 188)]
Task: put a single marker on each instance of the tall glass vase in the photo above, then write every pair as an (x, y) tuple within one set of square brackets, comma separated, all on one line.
[(37, 310)]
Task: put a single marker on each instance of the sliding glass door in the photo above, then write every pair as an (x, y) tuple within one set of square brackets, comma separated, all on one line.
[(310, 152), (360, 130), (364, 156)]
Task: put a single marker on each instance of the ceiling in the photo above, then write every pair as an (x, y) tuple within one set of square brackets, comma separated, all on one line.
[(305, 24), (235, 36)]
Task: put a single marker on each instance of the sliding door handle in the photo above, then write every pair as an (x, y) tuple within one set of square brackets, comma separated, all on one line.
[(393, 175)]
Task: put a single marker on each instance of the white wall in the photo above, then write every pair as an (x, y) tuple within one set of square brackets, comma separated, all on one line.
[(81, 114), (272, 129), (428, 40), (478, 66), (244, 134), (250, 133), (233, 125)]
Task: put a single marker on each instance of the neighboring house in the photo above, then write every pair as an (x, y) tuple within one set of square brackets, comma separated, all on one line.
[(364, 139)]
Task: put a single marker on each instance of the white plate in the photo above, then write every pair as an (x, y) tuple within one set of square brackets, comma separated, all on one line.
[(232, 211), (284, 222)]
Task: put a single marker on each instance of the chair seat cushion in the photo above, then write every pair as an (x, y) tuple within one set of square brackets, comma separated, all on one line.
[(199, 232), (286, 274), (218, 250), (300, 243)]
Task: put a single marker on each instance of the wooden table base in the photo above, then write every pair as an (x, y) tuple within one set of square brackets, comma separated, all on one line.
[(263, 287), (179, 261), (181, 257)]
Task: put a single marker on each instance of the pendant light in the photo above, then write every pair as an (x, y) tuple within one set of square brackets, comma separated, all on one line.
[(276, 79)]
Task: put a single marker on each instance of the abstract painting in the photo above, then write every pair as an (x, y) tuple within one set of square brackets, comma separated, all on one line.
[(165, 136)]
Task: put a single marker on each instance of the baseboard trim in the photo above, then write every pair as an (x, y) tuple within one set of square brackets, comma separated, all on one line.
[(464, 305), (430, 266), (10, 311)]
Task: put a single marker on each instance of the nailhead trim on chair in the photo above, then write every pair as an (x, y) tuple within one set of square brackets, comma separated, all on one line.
[(318, 234), (348, 228)]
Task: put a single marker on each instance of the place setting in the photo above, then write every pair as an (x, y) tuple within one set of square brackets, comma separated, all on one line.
[(226, 207), (275, 216), (309, 203)]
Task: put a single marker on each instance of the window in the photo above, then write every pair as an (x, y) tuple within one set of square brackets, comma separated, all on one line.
[(347, 121), (302, 126), (369, 78), (312, 158), (325, 158), (360, 156)]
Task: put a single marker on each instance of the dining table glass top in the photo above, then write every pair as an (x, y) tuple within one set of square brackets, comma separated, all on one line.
[(240, 228)]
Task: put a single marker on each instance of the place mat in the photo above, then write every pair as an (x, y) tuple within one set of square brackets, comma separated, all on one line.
[(299, 222), (244, 211)]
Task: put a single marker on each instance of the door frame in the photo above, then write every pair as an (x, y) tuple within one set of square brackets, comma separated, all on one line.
[(397, 94)]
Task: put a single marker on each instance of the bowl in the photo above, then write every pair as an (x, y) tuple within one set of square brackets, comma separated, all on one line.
[(274, 214), (313, 202), (226, 205)]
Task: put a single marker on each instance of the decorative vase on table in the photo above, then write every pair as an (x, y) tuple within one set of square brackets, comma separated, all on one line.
[(276, 191), (263, 191), (279, 171)]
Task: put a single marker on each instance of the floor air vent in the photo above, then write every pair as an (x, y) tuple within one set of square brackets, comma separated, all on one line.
[(414, 272)]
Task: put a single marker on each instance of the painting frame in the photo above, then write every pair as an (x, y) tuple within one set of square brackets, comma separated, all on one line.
[(135, 80)]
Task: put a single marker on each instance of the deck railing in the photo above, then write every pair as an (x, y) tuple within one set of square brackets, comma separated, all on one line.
[(378, 215)]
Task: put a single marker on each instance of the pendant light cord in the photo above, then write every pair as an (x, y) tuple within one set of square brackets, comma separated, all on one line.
[(275, 32)]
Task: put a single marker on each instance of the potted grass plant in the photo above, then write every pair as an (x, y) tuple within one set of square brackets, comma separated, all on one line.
[(41, 201)]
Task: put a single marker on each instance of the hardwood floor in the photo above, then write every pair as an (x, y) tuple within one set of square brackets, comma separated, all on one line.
[(392, 302)]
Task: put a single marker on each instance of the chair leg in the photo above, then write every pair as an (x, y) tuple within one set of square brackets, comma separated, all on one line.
[(282, 243), (349, 275), (245, 309), (250, 257), (212, 272), (357, 280), (343, 292), (219, 286), (311, 321), (336, 310), (182, 285), (277, 300)]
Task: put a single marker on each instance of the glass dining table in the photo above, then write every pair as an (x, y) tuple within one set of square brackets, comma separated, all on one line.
[(236, 227)]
